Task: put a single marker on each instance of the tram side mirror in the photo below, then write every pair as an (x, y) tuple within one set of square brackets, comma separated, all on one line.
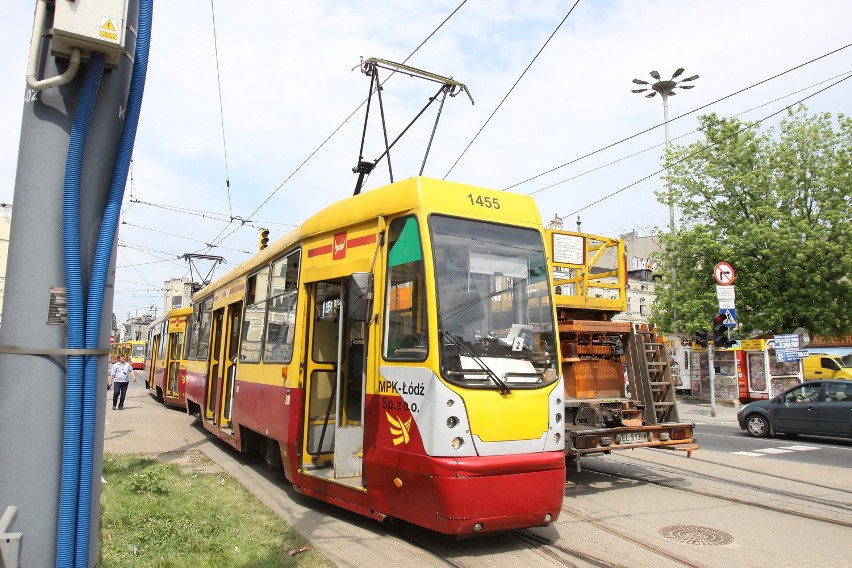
[(360, 296)]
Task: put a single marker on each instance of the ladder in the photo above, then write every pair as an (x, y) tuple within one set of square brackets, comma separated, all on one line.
[(650, 376)]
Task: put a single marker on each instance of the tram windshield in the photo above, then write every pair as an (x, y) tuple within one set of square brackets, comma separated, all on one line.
[(495, 315)]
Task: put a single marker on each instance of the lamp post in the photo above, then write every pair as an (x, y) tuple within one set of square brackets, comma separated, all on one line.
[(666, 89)]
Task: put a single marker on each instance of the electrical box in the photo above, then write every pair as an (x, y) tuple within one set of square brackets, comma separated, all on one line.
[(90, 26)]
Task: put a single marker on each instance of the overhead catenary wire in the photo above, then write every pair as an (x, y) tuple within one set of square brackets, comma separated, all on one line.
[(512, 88), (707, 148), (693, 111), (220, 238), (634, 154), (230, 224), (221, 109)]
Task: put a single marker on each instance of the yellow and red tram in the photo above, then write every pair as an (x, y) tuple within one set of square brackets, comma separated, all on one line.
[(135, 352), (166, 364), (395, 355)]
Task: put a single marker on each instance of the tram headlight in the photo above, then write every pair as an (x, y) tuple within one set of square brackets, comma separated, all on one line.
[(457, 443), (452, 422), (558, 417), (557, 438)]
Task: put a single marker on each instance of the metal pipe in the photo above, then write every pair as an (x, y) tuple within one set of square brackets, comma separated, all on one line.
[(35, 50)]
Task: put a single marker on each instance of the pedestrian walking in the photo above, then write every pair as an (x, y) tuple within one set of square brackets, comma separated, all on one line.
[(120, 374)]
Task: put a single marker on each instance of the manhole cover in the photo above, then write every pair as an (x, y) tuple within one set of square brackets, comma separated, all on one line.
[(701, 536)]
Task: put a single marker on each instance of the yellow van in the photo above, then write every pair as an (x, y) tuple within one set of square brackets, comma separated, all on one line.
[(823, 366)]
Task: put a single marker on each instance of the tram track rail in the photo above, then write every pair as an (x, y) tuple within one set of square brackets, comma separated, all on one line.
[(551, 548), (617, 470), (760, 472)]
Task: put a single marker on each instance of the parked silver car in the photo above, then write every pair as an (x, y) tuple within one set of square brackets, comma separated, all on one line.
[(819, 408)]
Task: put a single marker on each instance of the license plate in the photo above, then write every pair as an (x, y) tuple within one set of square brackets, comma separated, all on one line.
[(634, 437)]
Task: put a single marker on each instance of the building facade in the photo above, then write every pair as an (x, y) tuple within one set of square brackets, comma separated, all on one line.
[(177, 293)]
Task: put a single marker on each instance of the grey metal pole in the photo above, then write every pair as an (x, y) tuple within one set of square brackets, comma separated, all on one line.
[(665, 95), (32, 385), (665, 88), (711, 371)]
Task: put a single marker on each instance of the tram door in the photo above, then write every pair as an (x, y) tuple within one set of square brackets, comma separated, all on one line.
[(231, 350), (214, 363), (151, 364), (334, 436), (172, 360)]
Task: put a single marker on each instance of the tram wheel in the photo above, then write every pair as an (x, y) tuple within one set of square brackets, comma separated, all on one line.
[(272, 455), (757, 426)]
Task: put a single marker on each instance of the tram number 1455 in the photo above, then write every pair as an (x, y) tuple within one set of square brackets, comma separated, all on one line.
[(487, 202), (398, 405)]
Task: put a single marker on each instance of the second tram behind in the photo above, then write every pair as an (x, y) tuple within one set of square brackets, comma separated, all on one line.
[(166, 365), (395, 355)]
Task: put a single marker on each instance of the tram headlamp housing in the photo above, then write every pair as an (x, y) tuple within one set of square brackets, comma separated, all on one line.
[(457, 443), (452, 422)]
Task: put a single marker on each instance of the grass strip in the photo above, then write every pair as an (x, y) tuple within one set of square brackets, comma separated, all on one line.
[(157, 514)]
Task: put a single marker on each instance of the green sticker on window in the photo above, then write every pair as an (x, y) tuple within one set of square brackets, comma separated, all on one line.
[(407, 246)]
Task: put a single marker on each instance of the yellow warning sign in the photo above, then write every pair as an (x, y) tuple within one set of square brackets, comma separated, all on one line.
[(109, 28)]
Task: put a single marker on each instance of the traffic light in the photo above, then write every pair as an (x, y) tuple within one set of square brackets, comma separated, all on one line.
[(700, 337), (720, 332), (264, 239)]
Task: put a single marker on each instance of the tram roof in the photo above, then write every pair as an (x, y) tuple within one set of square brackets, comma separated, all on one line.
[(411, 194)]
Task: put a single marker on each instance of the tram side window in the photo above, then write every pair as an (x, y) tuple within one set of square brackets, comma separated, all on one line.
[(406, 325), (204, 328), (191, 335), (281, 309), (176, 345), (187, 337), (163, 329), (253, 320)]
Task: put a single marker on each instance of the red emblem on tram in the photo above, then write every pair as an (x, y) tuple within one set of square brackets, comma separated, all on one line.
[(338, 250)]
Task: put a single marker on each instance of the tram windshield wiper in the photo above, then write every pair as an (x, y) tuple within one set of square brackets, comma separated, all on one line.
[(504, 388)]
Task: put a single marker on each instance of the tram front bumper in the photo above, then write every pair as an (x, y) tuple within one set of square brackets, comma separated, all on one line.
[(500, 493)]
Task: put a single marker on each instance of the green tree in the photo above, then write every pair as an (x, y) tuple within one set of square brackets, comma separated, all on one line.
[(776, 206)]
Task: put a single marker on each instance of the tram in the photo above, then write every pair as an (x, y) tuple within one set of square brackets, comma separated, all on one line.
[(395, 356), (165, 363), (135, 353)]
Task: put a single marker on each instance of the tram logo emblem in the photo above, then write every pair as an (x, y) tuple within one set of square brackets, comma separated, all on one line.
[(399, 429), (338, 249)]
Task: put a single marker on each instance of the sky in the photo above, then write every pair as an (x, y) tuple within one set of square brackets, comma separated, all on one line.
[(268, 99)]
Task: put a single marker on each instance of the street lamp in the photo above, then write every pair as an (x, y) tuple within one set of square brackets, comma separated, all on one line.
[(666, 89)]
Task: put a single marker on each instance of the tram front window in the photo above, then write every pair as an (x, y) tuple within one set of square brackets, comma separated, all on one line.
[(494, 313)]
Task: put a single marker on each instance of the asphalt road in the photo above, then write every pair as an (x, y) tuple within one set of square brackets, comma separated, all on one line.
[(815, 450)]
